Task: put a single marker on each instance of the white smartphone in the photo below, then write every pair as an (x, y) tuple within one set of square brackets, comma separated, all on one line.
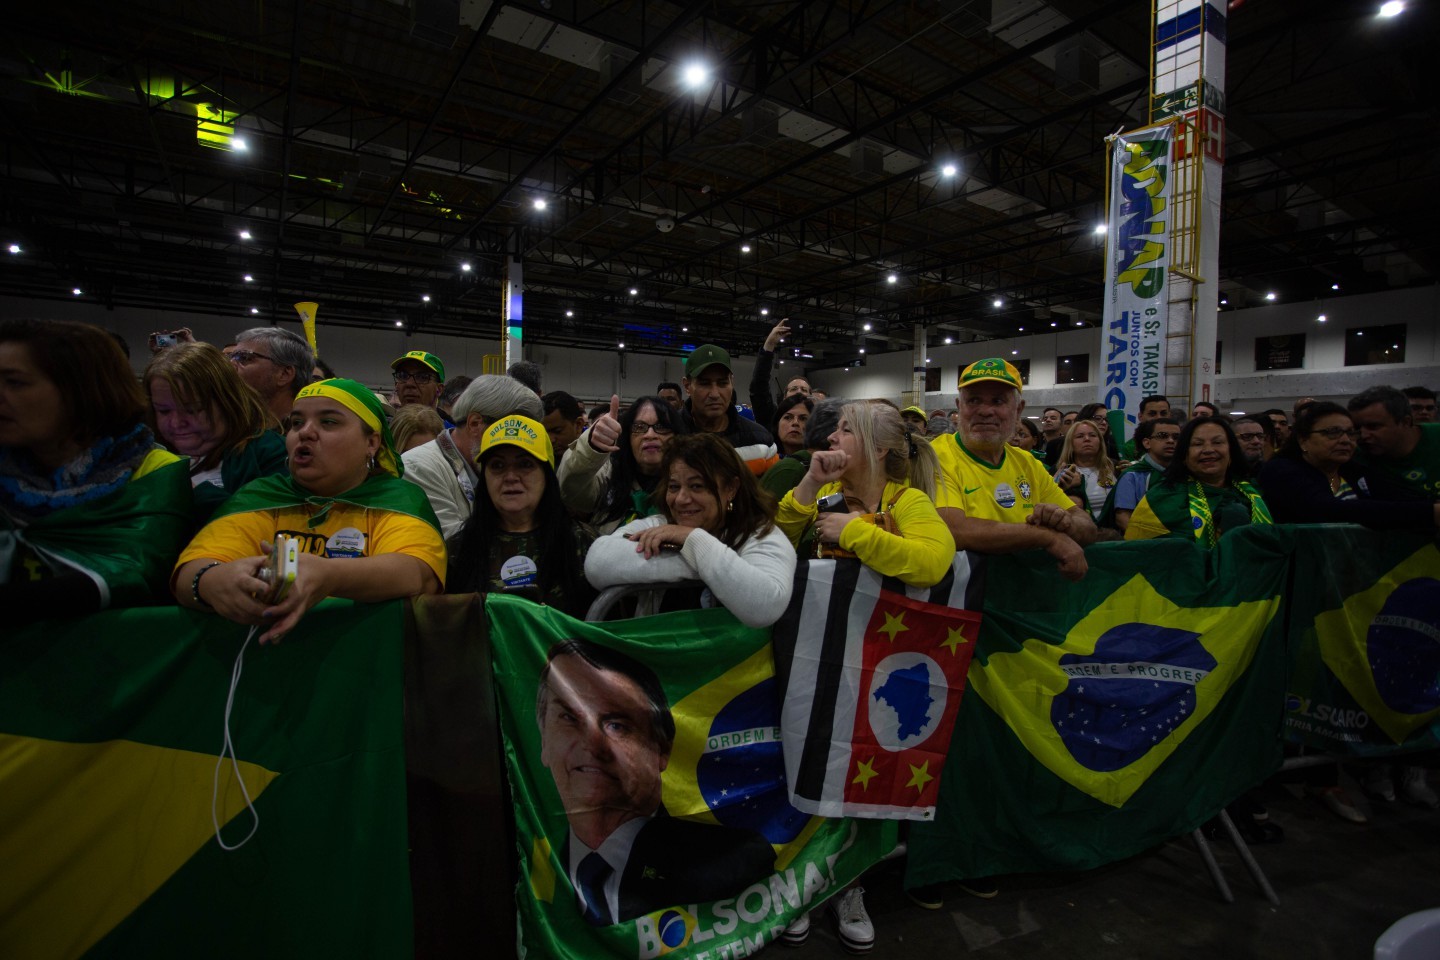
[(283, 566)]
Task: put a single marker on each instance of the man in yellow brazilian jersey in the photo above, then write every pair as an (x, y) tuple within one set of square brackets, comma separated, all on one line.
[(998, 499)]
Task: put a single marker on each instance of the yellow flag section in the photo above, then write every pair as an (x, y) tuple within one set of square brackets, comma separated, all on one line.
[(1382, 645), (1111, 701), (729, 725), (97, 828)]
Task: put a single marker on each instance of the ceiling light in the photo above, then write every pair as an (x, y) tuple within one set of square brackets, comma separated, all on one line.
[(539, 203), (696, 74), (621, 344), (1320, 319), (782, 363), (949, 169), (1359, 333), (1099, 228), (892, 279), (425, 297), (254, 310), (249, 278), (1392, 8), (634, 291), (399, 323), (1014, 353), (1334, 286), (744, 248), (465, 267), (244, 234), (14, 248), (997, 302), (684, 329), (77, 291), (866, 327), (764, 311), (1079, 323), (1270, 295), (1223, 301), (862, 349), (948, 340), (569, 313), (238, 143), (1022, 329)]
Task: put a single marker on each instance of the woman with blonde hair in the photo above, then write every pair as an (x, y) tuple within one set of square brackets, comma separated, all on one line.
[(885, 477), (1085, 470), (201, 409), (413, 425)]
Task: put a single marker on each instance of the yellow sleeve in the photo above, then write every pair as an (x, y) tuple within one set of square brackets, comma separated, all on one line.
[(1044, 489), (1144, 525), (922, 552), (793, 518), (231, 538), (399, 533)]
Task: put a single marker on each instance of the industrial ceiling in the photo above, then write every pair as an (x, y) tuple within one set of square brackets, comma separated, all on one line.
[(394, 153)]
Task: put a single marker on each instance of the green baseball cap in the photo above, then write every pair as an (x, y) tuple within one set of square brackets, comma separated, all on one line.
[(428, 359), (991, 368), (706, 355)]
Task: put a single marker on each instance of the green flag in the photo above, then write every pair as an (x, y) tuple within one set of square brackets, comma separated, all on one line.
[(1365, 644), (109, 732), (652, 815), (1113, 713)]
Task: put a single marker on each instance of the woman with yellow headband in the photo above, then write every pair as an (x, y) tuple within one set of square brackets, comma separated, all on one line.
[(364, 533)]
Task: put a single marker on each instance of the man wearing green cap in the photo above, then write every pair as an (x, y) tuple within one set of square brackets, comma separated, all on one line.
[(995, 502), (711, 408), (419, 377)]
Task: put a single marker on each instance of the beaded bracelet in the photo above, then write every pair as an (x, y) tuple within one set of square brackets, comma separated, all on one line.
[(195, 584)]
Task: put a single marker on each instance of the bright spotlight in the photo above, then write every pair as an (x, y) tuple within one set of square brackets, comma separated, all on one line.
[(253, 310), (949, 170), (1270, 296), (1099, 228), (76, 291), (866, 328), (997, 302), (399, 323), (14, 248), (634, 291), (465, 267), (764, 311), (249, 278), (892, 279), (696, 74), (744, 248), (244, 234), (238, 144), (569, 313), (1320, 319), (425, 297), (539, 203), (1392, 8)]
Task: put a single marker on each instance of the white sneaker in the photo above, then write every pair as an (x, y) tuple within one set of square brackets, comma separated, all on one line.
[(798, 931), (1378, 783), (1413, 787), (853, 924), (1337, 803)]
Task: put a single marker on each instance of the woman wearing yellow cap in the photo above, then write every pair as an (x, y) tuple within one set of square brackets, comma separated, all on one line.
[(520, 538), (364, 533)]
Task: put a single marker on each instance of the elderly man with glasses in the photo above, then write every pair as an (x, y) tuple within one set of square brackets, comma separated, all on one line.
[(276, 364)]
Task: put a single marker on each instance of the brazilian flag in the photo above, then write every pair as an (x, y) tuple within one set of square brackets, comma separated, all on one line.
[(1365, 646), (110, 727), (1111, 714), (732, 835)]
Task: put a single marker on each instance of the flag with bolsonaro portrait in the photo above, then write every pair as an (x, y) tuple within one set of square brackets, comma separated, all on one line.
[(652, 816)]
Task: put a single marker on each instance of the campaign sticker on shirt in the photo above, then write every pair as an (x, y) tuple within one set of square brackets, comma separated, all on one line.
[(348, 542), (1024, 490), (1005, 495), (519, 571)]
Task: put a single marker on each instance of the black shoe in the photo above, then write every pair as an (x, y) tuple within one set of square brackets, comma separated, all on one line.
[(928, 897), (983, 887)]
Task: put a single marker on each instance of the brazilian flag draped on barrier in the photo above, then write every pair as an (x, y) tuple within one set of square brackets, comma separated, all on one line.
[(1365, 655), (1111, 714), (723, 863), (109, 732)]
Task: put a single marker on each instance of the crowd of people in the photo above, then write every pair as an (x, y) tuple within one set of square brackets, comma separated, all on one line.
[(117, 491)]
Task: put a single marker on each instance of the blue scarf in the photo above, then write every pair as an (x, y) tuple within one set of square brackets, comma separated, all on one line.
[(28, 491)]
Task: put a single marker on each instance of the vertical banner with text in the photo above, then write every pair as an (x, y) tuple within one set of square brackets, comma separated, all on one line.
[(1137, 263)]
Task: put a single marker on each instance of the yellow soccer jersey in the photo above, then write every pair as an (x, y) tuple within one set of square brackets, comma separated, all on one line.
[(348, 531), (1007, 493)]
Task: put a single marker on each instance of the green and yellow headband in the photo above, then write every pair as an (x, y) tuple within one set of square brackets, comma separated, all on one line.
[(359, 400)]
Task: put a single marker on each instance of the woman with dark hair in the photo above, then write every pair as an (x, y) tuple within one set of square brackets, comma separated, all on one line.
[(789, 426), (1201, 495), (1314, 478), (714, 525), (201, 409), (364, 534), (519, 539), (92, 510), (612, 469), (1028, 438)]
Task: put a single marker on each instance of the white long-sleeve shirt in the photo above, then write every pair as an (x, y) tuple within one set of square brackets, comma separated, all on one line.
[(753, 583)]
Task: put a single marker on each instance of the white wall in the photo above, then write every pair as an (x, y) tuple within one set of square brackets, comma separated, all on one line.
[(365, 355), (593, 375)]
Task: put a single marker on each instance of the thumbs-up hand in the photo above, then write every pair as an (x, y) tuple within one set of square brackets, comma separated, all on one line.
[(605, 432)]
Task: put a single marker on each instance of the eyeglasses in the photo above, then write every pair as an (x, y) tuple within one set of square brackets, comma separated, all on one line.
[(1335, 433), (420, 376), (1249, 437), (243, 357), (640, 427)]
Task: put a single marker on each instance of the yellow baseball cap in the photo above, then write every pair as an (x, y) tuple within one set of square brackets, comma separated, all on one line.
[(917, 411), (522, 432), (991, 368)]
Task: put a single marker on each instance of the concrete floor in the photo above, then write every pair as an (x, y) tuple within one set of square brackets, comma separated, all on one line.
[(1340, 886)]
